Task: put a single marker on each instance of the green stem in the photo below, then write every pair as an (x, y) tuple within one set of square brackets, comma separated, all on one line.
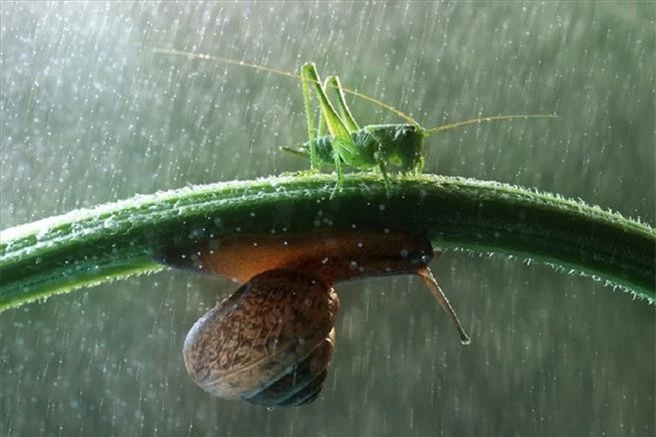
[(115, 240)]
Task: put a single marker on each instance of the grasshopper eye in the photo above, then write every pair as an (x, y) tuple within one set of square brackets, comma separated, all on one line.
[(402, 131)]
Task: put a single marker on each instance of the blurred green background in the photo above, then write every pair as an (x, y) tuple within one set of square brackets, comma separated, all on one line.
[(90, 114)]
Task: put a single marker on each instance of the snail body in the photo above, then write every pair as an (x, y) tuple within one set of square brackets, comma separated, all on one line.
[(334, 256), (271, 342)]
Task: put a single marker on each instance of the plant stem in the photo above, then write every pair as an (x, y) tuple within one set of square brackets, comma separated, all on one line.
[(115, 240)]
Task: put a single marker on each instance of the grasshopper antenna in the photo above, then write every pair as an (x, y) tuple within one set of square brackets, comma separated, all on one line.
[(259, 67), (392, 109), (433, 131)]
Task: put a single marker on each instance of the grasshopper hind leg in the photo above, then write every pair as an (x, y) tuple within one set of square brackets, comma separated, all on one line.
[(312, 129), (339, 128), (333, 82)]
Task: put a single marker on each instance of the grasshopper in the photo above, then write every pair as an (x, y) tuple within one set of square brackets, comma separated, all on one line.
[(383, 147)]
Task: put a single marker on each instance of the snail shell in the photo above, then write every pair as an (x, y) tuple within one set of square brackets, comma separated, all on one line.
[(270, 343)]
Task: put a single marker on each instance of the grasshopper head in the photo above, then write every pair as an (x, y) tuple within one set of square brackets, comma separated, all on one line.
[(401, 145), (410, 148)]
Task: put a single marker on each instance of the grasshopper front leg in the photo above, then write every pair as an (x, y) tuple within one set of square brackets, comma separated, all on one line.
[(379, 157)]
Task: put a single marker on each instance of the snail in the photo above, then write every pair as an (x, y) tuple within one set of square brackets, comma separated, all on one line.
[(271, 342)]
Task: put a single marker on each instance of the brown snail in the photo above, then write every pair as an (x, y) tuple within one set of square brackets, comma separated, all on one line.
[(271, 342)]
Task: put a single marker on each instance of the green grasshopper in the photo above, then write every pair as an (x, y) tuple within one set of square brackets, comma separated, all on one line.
[(379, 146)]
